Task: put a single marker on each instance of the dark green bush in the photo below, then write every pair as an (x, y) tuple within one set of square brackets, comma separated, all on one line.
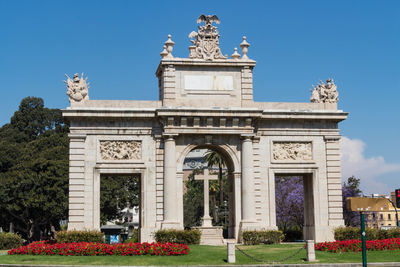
[(394, 233), (188, 237), (134, 238), (292, 235), (370, 234), (266, 237), (80, 236), (10, 240), (347, 233)]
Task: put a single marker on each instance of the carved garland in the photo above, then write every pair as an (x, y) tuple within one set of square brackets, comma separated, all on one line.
[(120, 150), (292, 151)]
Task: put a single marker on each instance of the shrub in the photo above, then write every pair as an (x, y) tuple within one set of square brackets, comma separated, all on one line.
[(10, 240), (347, 233), (134, 238), (80, 236), (351, 233), (99, 249), (266, 237), (292, 235), (394, 232), (188, 237)]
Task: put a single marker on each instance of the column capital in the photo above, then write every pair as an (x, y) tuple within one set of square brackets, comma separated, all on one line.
[(332, 138), (247, 137), (169, 136), (76, 136)]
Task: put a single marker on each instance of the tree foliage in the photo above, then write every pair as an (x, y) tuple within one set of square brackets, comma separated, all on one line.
[(213, 158), (193, 205), (351, 188), (34, 170), (116, 193), (289, 202)]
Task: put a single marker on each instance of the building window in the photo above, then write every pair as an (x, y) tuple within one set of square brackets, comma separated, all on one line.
[(389, 217), (381, 216), (373, 215)]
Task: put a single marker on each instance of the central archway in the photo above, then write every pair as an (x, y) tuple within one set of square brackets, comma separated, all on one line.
[(231, 160)]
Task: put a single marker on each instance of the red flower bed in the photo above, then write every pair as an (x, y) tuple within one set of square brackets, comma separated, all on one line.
[(355, 245), (99, 249)]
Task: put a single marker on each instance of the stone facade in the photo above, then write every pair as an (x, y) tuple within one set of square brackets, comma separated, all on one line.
[(207, 102)]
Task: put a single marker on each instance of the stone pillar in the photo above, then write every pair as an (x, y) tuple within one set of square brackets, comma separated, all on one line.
[(230, 257), (310, 250), (248, 203), (170, 185)]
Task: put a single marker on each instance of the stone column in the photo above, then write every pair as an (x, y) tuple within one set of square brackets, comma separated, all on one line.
[(79, 193), (170, 195), (248, 203)]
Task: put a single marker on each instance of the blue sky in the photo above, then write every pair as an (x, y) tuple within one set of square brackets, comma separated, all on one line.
[(295, 44)]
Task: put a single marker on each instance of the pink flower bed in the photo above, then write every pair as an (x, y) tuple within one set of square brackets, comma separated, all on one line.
[(355, 245), (99, 249)]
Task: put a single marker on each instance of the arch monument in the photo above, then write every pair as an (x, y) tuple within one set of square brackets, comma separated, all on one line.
[(206, 101)]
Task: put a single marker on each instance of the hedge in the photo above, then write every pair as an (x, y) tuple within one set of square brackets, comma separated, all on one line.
[(351, 233), (266, 237), (80, 236), (188, 237), (10, 240)]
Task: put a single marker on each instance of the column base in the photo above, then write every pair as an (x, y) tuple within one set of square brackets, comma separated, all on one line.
[(249, 226), (211, 236), (206, 222), (147, 234), (171, 225)]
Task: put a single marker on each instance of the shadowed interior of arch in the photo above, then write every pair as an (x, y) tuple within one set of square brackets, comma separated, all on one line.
[(120, 200), (221, 204), (295, 206)]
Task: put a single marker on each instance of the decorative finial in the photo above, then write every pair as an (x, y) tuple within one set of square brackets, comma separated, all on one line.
[(244, 45), (325, 93), (77, 88), (206, 40), (169, 44), (235, 54), (164, 53)]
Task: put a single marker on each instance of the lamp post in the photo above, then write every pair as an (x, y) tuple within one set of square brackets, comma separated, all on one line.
[(225, 211), (363, 240)]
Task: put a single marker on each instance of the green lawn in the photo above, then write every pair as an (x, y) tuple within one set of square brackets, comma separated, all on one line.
[(208, 255)]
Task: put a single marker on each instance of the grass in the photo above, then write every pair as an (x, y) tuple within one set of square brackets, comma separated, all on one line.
[(209, 255)]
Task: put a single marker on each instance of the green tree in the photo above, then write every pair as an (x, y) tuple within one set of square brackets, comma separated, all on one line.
[(116, 193), (34, 170), (193, 204), (213, 158)]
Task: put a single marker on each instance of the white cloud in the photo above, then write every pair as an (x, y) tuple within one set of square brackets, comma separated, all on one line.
[(368, 170)]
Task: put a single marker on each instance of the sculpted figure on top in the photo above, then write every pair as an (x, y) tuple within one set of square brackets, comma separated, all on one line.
[(325, 93), (77, 88), (206, 40)]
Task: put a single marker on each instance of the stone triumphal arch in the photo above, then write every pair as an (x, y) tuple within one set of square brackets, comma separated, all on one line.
[(206, 101)]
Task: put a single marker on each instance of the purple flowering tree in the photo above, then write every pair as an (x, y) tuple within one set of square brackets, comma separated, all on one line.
[(351, 188), (289, 202)]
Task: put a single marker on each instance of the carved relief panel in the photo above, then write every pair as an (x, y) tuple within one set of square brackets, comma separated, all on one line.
[(292, 151), (120, 150)]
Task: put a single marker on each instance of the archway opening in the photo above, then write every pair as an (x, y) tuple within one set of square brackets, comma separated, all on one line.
[(213, 164), (295, 206), (120, 206)]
